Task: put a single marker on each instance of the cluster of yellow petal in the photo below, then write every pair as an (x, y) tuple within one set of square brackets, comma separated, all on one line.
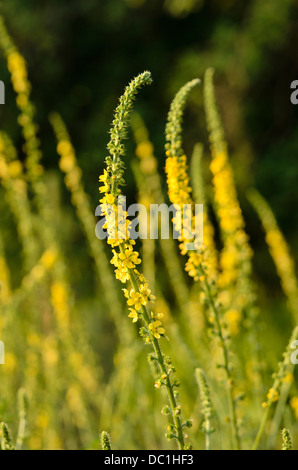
[(19, 76), (236, 251), (116, 222), (178, 180), (59, 299), (156, 326), (17, 66), (139, 298), (179, 191), (68, 165), (125, 259)]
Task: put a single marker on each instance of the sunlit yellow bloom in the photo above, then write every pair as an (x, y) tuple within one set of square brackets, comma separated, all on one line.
[(273, 395), (157, 329)]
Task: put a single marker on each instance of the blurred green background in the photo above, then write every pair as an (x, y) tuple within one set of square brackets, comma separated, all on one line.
[(81, 54)]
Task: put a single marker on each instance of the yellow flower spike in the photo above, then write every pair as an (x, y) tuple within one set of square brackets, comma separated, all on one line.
[(140, 294), (235, 259), (197, 266), (279, 251), (150, 190)]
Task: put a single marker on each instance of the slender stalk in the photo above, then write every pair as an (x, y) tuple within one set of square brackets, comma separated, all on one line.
[(162, 365), (279, 411), (206, 405), (126, 259), (232, 406), (273, 394)]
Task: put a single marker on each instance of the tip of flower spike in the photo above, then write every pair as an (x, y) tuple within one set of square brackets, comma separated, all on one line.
[(105, 441), (146, 75)]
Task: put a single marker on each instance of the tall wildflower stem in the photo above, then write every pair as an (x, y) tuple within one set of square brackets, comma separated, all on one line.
[(162, 365), (149, 169), (235, 260), (125, 259), (206, 405), (198, 265)]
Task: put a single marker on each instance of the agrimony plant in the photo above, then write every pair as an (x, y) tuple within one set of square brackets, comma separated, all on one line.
[(197, 266), (105, 441), (126, 260)]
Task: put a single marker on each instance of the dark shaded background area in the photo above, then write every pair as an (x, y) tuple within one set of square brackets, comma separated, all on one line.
[(80, 54)]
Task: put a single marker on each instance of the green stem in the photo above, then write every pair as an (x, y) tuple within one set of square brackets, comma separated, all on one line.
[(261, 428), (163, 368), (284, 366), (207, 434), (278, 414), (233, 417)]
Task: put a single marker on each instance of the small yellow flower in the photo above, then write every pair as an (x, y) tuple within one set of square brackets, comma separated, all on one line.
[(133, 314), (109, 198), (156, 329)]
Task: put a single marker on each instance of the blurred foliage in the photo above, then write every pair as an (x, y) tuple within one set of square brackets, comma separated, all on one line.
[(79, 55)]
